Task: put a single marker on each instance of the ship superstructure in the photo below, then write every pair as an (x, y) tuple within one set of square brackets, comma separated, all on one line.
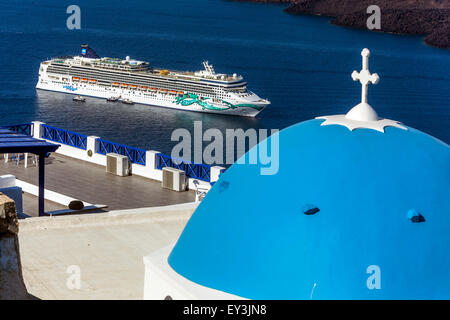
[(204, 91)]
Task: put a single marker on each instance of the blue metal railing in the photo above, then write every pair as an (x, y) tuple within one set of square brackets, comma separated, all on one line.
[(135, 155), (64, 136), (193, 170), (24, 128)]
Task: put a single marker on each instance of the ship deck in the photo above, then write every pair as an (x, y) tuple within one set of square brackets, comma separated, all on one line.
[(187, 75), (90, 183)]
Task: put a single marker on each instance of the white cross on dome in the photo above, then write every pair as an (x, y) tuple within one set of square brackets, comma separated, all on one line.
[(364, 76), (362, 115)]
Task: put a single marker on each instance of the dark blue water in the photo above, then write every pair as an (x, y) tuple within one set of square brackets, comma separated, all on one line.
[(302, 64)]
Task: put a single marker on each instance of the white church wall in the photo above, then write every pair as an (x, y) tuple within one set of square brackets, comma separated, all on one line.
[(162, 282)]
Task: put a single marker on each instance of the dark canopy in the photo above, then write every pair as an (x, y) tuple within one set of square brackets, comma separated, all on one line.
[(12, 142)]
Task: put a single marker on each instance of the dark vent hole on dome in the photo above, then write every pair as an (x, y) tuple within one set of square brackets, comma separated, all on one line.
[(310, 209), (415, 216), (223, 186)]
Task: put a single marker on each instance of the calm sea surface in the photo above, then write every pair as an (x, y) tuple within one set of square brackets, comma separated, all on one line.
[(301, 64)]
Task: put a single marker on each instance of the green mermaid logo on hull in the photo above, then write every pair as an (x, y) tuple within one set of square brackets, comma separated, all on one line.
[(190, 99)]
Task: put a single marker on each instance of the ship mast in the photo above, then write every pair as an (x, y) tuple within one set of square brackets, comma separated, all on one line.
[(209, 68)]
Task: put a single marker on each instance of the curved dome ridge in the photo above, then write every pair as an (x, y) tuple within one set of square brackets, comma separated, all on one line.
[(342, 202)]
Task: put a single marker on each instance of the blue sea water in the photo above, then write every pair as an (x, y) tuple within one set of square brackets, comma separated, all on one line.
[(302, 64)]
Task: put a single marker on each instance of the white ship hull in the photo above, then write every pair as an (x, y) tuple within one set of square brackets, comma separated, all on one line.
[(155, 99)]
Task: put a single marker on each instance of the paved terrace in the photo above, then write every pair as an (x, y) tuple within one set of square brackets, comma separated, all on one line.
[(89, 182), (107, 247)]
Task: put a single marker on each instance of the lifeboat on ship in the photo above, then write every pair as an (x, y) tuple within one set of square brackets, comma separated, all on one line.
[(84, 79), (143, 87), (153, 89), (76, 79), (115, 84), (133, 86), (163, 91), (124, 85), (173, 92), (92, 80)]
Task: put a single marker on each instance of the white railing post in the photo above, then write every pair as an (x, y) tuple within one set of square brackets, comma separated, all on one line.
[(150, 169), (91, 144), (215, 173), (37, 129), (150, 159)]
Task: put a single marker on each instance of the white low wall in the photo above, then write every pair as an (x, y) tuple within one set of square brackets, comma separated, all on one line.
[(48, 194), (161, 282), (148, 171)]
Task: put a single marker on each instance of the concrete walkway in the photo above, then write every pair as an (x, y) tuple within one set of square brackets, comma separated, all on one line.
[(108, 248), (89, 182)]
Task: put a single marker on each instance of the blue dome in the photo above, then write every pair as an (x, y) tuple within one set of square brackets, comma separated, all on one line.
[(342, 201)]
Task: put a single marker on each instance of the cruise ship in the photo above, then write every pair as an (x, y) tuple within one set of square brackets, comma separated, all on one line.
[(136, 81)]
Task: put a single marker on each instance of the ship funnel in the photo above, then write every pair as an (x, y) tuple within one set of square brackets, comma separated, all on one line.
[(88, 52)]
